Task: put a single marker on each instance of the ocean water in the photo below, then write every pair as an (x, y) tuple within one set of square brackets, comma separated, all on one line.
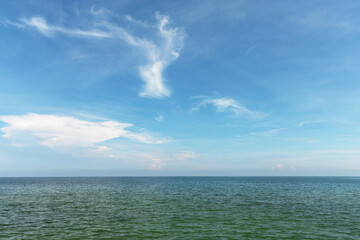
[(180, 208)]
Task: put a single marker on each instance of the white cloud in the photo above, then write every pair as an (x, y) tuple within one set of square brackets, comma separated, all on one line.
[(7, 23), (277, 166), (269, 133), (159, 57), (184, 155), (141, 23), (301, 124), (65, 131), (156, 159), (99, 149), (159, 54), (157, 164), (49, 30), (100, 12), (159, 118), (227, 104)]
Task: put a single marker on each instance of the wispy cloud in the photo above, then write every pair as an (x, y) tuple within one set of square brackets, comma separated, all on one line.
[(157, 164), (301, 124), (7, 23), (269, 133), (50, 30), (277, 166), (141, 23), (159, 118), (224, 104), (159, 53), (66, 131), (321, 19), (159, 160), (160, 57), (185, 155)]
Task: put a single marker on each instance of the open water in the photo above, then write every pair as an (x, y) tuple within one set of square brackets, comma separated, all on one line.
[(180, 208)]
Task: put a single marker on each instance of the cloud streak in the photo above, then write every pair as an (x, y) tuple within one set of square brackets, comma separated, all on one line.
[(269, 133), (65, 131), (49, 30), (301, 124), (224, 104), (159, 53)]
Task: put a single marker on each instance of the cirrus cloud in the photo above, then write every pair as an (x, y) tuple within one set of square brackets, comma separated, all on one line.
[(223, 104), (159, 53)]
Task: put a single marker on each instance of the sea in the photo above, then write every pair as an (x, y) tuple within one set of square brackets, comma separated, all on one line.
[(180, 208)]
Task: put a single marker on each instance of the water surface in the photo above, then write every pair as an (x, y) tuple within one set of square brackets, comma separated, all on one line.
[(180, 208)]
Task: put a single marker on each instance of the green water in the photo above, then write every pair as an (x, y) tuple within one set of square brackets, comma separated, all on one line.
[(180, 208)]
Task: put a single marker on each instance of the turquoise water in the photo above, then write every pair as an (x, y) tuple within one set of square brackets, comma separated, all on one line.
[(180, 208)]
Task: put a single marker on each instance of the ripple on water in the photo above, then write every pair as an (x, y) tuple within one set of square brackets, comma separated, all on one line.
[(179, 208)]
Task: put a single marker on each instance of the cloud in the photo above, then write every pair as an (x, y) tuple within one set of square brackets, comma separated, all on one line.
[(19, 145), (157, 164), (159, 54), (157, 159), (98, 149), (65, 131), (159, 118), (141, 23), (160, 57), (269, 133), (301, 124), (227, 104), (49, 30), (7, 23), (185, 155), (327, 20), (100, 12), (277, 166)]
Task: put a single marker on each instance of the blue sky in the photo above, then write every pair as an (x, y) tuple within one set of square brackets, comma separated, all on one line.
[(179, 88)]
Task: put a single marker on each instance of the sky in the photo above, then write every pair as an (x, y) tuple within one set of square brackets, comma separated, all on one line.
[(169, 88)]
